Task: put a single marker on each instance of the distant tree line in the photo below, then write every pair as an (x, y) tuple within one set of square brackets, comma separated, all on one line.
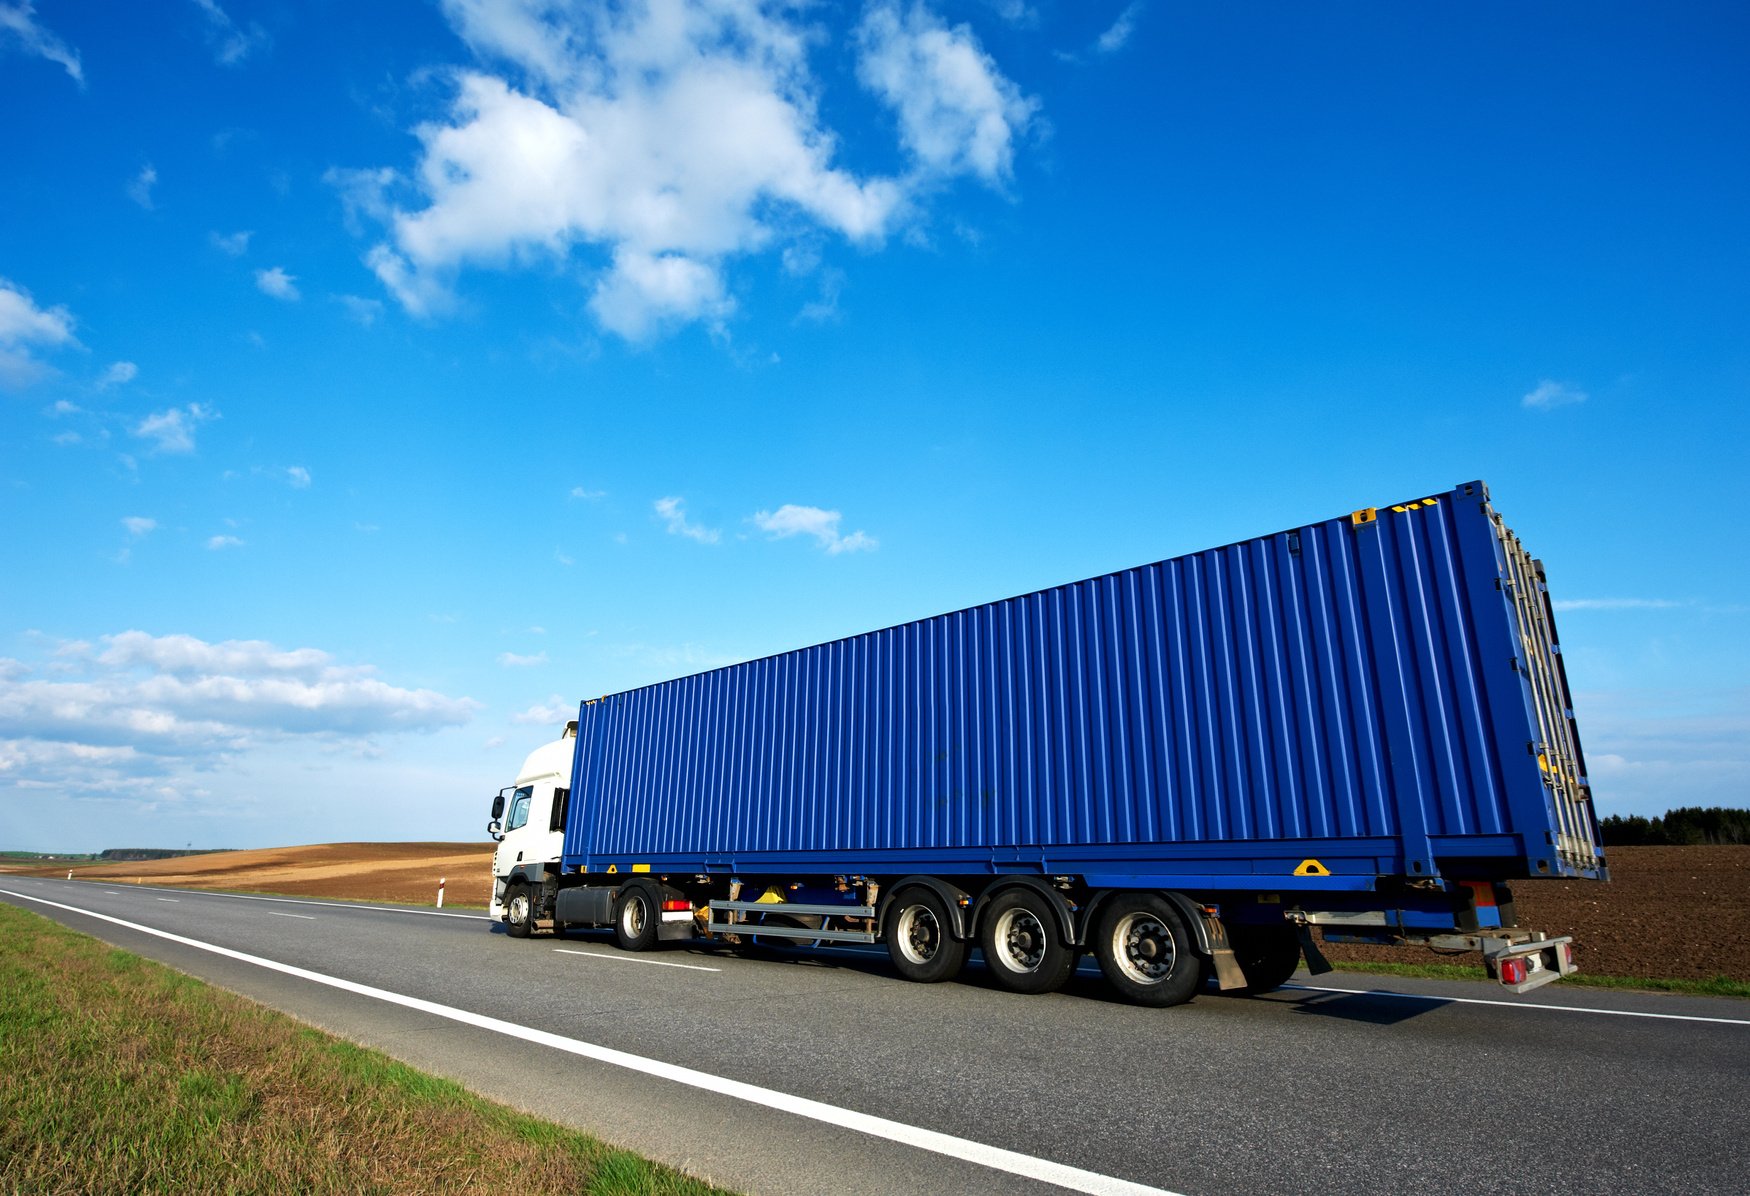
[(152, 853), (1688, 826)]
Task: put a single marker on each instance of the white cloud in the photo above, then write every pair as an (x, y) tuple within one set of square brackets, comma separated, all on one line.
[(1645, 747), (673, 514), (792, 520), (362, 311), (957, 112), (511, 660), (1019, 13), (298, 477), (23, 322), (147, 707), (19, 27), (119, 374), (140, 186), (139, 525), (1616, 604), (220, 543), (671, 138), (276, 282), (586, 494), (231, 244), (231, 43), (24, 329), (643, 294), (1562, 604), (1115, 37), (555, 710), (1550, 394), (172, 431)]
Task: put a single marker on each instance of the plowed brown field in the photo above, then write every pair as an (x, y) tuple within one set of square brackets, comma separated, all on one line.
[(1680, 913), (1677, 912), (406, 872)]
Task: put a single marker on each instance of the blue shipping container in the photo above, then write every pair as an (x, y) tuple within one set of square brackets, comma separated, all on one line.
[(1380, 694)]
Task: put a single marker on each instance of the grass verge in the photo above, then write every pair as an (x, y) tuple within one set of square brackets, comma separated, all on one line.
[(1719, 986), (120, 1075)]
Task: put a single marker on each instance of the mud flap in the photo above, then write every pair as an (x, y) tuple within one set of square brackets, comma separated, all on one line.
[(1316, 963), (1221, 953)]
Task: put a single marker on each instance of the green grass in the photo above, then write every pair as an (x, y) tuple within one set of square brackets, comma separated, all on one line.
[(120, 1075), (1718, 986)]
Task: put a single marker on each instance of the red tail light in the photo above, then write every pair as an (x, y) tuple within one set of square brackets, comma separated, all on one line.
[(1512, 971), (670, 906)]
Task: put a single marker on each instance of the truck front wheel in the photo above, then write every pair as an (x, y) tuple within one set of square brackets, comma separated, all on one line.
[(920, 940), (1145, 952), (635, 921), (519, 911)]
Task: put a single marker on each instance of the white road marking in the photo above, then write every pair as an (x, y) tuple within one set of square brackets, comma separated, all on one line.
[(1382, 992), (278, 914), (691, 967), (993, 1157), (386, 909), (171, 900)]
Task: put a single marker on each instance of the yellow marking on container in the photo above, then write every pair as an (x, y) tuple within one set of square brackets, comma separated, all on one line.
[(1311, 868), (770, 897), (640, 867), (1364, 515), (613, 868)]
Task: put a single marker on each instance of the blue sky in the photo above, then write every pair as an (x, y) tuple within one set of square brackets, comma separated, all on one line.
[(377, 380)]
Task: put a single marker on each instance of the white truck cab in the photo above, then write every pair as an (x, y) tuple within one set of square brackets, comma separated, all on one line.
[(528, 816)]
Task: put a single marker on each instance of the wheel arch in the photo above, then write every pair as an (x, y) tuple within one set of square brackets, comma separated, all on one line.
[(1188, 910), (951, 895), (1066, 918)]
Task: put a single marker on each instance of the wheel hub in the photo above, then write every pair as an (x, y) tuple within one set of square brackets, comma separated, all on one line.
[(1147, 954)]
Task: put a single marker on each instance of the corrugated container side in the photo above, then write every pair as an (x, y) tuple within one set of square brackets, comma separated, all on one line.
[(1357, 688)]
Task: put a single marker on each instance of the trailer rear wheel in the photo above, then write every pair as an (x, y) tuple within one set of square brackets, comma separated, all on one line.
[(1021, 945), (1145, 952), (920, 939), (1268, 955), (519, 911), (635, 920)]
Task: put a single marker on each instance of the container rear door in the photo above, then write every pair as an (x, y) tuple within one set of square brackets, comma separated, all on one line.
[(1540, 661)]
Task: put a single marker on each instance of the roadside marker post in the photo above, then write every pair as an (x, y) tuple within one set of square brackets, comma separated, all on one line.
[(440, 904)]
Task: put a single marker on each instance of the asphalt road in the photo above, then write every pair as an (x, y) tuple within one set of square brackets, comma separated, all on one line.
[(821, 1071)]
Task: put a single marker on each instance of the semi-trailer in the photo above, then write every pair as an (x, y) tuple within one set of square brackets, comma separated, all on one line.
[(1361, 725)]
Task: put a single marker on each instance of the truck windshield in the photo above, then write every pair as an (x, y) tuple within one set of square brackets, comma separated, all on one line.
[(519, 808)]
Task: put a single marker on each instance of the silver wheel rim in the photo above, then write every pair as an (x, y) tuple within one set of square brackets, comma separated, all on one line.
[(519, 910), (919, 935), (632, 918), (1020, 940), (1143, 948)]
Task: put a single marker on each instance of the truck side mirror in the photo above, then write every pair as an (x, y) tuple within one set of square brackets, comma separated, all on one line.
[(496, 828), (498, 807)]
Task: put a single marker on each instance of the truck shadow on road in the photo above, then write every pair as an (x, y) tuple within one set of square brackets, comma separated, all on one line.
[(1377, 1009), (1085, 984)]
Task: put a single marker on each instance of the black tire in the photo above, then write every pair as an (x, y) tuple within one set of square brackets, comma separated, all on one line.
[(920, 938), (1023, 948), (635, 919), (519, 911), (1268, 955), (1146, 952)]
